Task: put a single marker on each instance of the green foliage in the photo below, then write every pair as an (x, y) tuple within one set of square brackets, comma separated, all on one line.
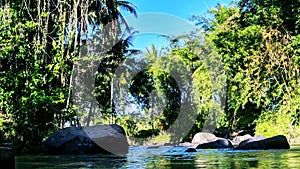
[(30, 95), (256, 41), (203, 88), (271, 124), (39, 44), (160, 139), (244, 70), (129, 123), (157, 92)]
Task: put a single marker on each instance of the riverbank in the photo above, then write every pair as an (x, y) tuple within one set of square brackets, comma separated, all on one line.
[(165, 140)]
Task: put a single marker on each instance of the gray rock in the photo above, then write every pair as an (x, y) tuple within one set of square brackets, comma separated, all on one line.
[(202, 137), (204, 140), (87, 140), (276, 142), (219, 143), (238, 139), (252, 139)]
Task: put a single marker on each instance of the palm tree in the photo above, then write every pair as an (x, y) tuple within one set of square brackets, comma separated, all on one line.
[(111, 20), (106, 11)]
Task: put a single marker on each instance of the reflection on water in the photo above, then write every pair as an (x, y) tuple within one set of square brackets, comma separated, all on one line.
[(162, 157)]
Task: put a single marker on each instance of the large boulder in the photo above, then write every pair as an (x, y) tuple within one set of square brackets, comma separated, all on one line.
[(202, 137), (204, 140), (87, 140), (219, 143), (276, 142)]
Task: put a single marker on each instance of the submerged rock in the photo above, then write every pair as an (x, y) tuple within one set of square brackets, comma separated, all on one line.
[(180, 150), (190, 149), (87, 140), (260, 143), (219, 143)]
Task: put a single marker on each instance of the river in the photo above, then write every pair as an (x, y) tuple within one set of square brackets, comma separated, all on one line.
[(161, 157)]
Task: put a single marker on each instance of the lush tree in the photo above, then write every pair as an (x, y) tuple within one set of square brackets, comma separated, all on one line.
[(256, 41), (203, 89), (40, 46)]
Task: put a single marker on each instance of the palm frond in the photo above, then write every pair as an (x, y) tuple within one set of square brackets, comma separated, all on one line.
[(128, 6)]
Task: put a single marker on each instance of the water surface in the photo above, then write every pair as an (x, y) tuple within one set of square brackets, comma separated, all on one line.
[(163, 157)]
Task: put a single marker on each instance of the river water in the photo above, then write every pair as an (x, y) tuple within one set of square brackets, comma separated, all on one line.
[(164, 157)]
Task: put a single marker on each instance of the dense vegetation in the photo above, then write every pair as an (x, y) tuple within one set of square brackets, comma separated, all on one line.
[(40, 44), (243, 63), (258, 42)]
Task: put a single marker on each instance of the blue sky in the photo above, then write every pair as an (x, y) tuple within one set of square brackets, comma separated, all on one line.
[(167, 17)]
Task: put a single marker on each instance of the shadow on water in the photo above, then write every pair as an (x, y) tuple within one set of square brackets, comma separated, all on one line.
[(169, 158)]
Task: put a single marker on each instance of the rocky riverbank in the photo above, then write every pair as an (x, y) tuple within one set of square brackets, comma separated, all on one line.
[(204, 140), (246, 142), (112, 139)]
